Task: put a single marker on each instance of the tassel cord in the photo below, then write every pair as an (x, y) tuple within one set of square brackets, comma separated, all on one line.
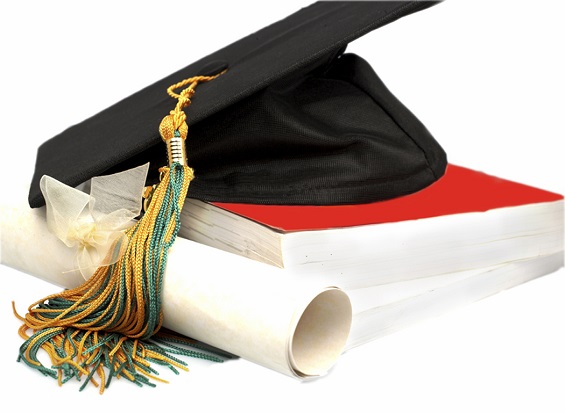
[(113, 320), (93, 326), (102, 300)]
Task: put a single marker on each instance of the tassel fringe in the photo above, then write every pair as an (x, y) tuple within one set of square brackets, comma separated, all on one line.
[(110, 326)]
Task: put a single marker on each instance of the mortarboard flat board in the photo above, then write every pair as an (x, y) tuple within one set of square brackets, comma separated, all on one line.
[(294, 120)]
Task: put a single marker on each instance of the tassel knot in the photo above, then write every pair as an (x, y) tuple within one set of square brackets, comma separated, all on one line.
[(171, 124)]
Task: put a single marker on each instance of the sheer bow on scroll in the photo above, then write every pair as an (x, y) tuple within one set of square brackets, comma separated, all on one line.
[(94, 224)]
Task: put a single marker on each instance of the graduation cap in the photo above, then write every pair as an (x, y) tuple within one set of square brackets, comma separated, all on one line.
[(282, 116), (294, 120)]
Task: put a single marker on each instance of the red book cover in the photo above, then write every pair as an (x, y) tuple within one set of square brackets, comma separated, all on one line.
[(460, 190)]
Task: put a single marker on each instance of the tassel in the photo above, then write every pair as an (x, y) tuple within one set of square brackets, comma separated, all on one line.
[(110, 325)]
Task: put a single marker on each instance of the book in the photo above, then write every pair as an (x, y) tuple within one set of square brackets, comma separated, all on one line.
[(465, 221), (468, 236)]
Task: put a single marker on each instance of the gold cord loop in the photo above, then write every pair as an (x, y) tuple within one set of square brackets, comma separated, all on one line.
[(173, 127)]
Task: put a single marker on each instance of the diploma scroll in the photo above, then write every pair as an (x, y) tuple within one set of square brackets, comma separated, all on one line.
[(241, 306)]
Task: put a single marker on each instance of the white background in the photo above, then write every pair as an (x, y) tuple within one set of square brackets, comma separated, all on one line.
[(486, 77)]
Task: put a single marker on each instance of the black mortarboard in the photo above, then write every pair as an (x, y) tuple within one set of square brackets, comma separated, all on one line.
[(294, 120)]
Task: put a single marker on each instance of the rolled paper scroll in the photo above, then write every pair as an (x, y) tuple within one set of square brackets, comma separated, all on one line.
[(255, 311)]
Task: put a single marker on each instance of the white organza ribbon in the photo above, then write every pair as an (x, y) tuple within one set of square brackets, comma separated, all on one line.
[(94, 224)]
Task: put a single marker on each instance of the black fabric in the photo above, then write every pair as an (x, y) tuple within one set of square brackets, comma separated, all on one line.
[(292, 121)]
